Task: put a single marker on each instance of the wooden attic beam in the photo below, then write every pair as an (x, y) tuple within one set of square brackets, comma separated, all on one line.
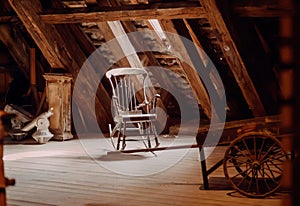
[(59, 55), (263, 9), (12, 39), (233, 58), (266, 11), (8, 19), (217, 82), (40, 32), (124, 13), (191, 74)]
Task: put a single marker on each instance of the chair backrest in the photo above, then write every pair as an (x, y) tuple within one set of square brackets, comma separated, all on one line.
[(129, 87)]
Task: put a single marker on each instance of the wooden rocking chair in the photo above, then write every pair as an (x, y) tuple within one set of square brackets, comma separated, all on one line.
[(134, 106)]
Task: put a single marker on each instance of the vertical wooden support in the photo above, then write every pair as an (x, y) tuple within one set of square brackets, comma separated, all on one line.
[(3, 180), (58, 95), (296, 141), (2, 177), (33, 76), (287, 96)]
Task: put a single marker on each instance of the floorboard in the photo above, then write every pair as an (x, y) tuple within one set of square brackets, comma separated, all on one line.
[(85, 172)]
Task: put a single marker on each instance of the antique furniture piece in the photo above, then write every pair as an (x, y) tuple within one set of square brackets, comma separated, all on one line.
[(58, 94), (134, 105)]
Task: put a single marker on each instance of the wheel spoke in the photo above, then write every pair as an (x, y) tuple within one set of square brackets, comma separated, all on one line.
[(250, 183), (244, 142), (265, 181), (256, 181), (275, 165), (241, 151), (270, 170), (275, 171), (271, 178), (274, 157), (238, 160), (240, 173), (254, 146), (239, 164), (268, 151), (245, 177), (261, 149)]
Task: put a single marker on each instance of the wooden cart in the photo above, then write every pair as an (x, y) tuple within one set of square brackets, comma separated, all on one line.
[(253, 159)]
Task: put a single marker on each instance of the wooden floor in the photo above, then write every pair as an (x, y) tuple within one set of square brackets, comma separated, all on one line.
[(84, 172)]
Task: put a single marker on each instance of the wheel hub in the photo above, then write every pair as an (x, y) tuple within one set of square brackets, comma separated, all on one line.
[(256, 165)]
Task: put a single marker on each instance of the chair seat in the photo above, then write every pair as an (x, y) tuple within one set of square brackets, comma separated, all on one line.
[(138, 117)]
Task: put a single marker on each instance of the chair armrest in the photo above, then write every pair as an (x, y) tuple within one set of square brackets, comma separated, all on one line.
[(153, 101)]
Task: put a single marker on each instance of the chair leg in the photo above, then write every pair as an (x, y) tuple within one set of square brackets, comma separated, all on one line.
[(203, 168), (112, 133), (124, 136), (119, 138), (155, 135), (148, 134)]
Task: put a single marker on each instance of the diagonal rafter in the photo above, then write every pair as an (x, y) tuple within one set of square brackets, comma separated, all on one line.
[(63, 53), (192, 76), (233, 58)]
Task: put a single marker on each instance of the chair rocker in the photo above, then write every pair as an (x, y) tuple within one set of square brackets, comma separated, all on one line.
[(134, 106)]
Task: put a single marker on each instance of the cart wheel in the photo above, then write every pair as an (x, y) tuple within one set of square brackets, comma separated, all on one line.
[(253, 164)]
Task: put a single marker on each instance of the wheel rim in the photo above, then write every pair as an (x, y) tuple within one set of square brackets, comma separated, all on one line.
[(253, 164)]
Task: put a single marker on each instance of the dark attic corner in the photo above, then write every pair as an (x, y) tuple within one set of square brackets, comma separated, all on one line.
[(149, 102)]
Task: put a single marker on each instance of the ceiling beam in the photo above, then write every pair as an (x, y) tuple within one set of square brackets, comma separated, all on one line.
[(62, 51), (264, 11), (124, 13), (233, 58), (8, 19)]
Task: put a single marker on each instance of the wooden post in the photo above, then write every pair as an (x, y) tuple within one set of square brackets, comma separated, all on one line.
[(3, 180), (2, 177), (33, 76), (296, 140), (58, 96), (286, 82)]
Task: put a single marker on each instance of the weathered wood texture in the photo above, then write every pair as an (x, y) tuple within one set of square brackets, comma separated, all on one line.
[(254, 49), (40, 32), (296, 139), (63, 52), (233, 57), (58, 95), (63, 174), (124, 13), (287, 96), (233, 128), (4, 182), (191, 74), (262, 9), (12, 39), (2, 177)]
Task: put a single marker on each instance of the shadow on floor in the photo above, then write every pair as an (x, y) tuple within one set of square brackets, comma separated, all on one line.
[(221, 183)]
